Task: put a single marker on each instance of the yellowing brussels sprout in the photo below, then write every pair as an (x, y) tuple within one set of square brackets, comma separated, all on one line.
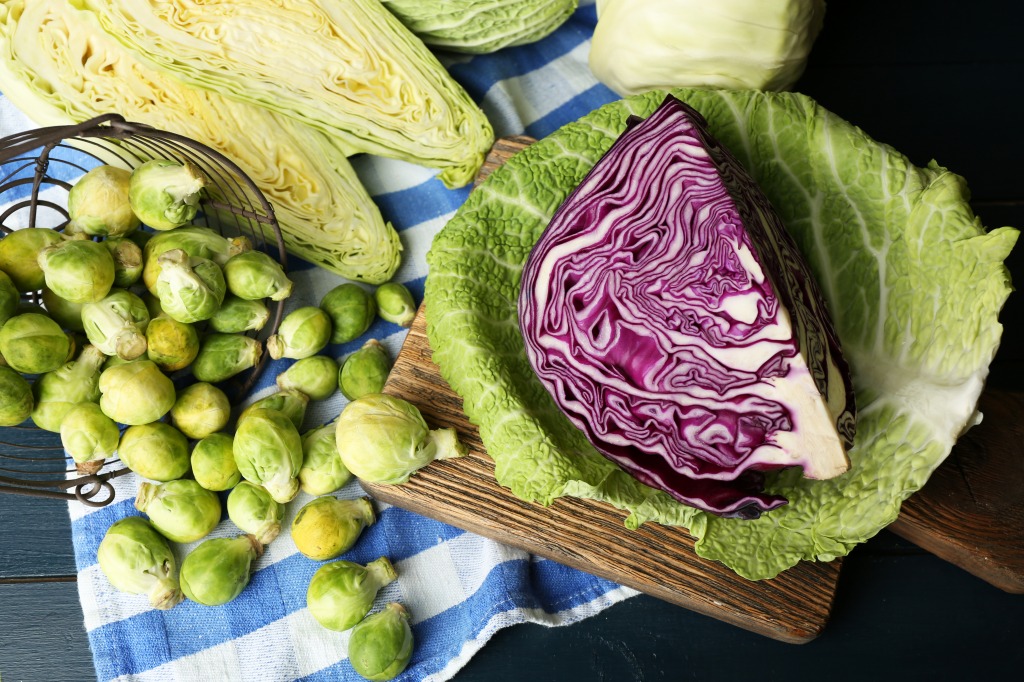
[(384, 439), (172, 345), (190, 289), (289, 402), (117, 324), (157, 451), (213, 464), (381, 645), (316, 376), (268, 452), (222, 356), (341, 593), (32, 343), (136, 392), (58, 391), (136, 559), (200, 410), (327, 527), (15, 397), (77, 270), (322, 470), (64, 313), (19, 253), (352, 310), (98, 203), (365, 371), (237, 315), (395, 303), (198, 242), (253, 275), (253, 510), (127, 257), (304, 332), (89, 436), (165, 194), (182, 510), (9, 298), (218, 569)]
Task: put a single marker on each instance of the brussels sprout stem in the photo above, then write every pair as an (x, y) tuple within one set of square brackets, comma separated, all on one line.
[(446, 444), (381, 571), (165, 593)]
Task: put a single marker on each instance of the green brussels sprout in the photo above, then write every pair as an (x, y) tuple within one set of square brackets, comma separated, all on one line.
[(32, 343), (384, 439), (289, 402), (127, 257), (327, 527), (190, 289), (364, 371), (200, 409), (253, 510), (19, 253), (341, 593), (352, 310), (222, 356), (172, 345), (304, 332), (395, 304), (136, 392), (316, 376), (88, 435), (198, 242), (156, 451), (237, 315), (381, 645), (165, 194), (65, 313), (117, 324), (98, 203), (213, 464), (322, 470), (9, 298), (56, 392), (218, 569), (182, 510), (77, 270), (15, 397), (136, 559), (268, 452), (253, 275)]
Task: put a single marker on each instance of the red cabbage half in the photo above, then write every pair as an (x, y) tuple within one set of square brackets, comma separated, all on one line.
[(671, 317)]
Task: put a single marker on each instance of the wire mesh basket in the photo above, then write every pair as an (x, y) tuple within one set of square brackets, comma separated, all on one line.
[(37, 169)]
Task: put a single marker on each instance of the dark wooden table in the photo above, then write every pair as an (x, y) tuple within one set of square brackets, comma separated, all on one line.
[(939, 79)]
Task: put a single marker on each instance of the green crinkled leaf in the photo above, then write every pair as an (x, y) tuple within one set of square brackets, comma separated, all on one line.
[(913, 280)]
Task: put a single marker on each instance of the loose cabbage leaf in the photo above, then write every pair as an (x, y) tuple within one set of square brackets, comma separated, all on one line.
[(912, 279)]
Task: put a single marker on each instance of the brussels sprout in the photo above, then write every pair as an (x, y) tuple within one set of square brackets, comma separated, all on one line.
[(381, 645), (395, 304), (165, 194), (19, 252), (157, 451), (365, 371), (341, 593), (218, 569), (253, 510), (172, 345), (56, 392), (268, 452), (136, 559), (322, 470), (136, 392), (127, 257), (32, 343), (222, 356), (77, 270), (352, 311), (182, 510), (384, 439), (88, 435), (190, 289), (9, 298), (237, 315), (117, 324), (98, 203), (316, 376), (200, 410), (65, 313), (213, 464), (198, 242), (253, 275), (15, 397), (327, 527), (304, 332), (289, 402)]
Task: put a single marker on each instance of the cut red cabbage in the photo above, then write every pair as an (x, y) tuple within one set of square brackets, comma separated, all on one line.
[(673, 320)]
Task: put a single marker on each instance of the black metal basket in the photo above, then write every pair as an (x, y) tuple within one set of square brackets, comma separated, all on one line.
[(37, 168)]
